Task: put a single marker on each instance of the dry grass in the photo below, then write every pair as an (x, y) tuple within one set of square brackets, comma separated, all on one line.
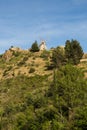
[(34, 60), (83, 66)]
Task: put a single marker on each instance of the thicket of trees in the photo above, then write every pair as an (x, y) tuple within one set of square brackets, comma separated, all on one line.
[(58, 57), (69, 95), (71, 53)]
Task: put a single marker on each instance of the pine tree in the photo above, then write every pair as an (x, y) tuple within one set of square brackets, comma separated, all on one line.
[(34, 47), (73, 51), (58, 57)]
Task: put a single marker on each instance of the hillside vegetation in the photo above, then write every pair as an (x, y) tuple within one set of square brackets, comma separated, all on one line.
[(43, 90), (23, 62)]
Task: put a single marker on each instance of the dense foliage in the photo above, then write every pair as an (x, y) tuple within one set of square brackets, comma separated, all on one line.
[(69, 93), (34, 47), (73, 51), (37, 103), (58, 57), (22, 100)]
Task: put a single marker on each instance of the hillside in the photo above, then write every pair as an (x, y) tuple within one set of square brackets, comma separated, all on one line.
[(28, 93), (16, 61)]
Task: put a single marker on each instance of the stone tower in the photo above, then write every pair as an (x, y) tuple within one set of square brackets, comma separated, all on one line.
[(42, 46)]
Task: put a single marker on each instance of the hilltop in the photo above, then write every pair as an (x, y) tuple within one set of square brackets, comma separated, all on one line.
[(16, 61)]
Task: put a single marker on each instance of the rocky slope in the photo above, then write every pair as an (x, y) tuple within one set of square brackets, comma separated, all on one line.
[(16, 61)]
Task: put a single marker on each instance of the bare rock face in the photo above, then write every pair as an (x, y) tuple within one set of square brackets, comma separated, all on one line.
[(7, 55)]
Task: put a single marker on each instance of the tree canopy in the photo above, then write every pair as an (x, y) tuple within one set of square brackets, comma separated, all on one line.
[(34, 47), (73, 51), (69, 90), (58, 57)]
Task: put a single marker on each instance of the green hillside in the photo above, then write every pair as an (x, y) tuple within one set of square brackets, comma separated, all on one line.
[(22, 98), (42, 90)]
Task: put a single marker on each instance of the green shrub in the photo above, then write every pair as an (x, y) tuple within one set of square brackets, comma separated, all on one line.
[(16, 54), (39, 102), (25, 58), (34, 47), (21, 63), (58, 57), (32, 70), (45, 55)]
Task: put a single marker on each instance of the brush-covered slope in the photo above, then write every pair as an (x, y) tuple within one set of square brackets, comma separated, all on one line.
[(22, 99), (16, 61), (33, 97)]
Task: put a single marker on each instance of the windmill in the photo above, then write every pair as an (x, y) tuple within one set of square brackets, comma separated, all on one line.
[(42, 45)]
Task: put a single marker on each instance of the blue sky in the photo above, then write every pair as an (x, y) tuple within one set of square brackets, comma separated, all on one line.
[(55, 21)]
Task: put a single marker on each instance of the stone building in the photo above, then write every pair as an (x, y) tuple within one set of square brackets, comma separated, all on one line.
[(42, 46)]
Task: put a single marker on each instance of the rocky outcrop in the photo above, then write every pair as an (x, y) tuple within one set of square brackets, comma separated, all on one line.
[(15, 49), (7, 55)]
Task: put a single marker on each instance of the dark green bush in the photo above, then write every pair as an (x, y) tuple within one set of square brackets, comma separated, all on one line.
[(25, 58), (21, 63), (73, 51), (32, 70), (34, 47)]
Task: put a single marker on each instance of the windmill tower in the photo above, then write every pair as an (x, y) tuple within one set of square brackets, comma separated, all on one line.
[(42, 46)]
